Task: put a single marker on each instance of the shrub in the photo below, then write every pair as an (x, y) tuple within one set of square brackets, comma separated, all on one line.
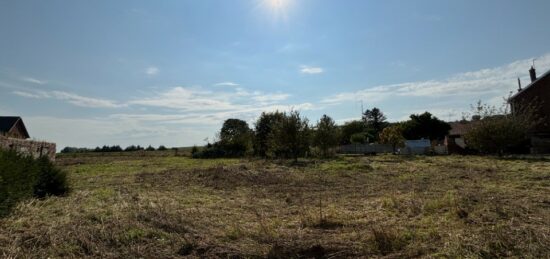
[(214, 151), (162, 148), (17, 175), (349, 129), (22, 177), (50, 180), (392, 135), (499, 131)]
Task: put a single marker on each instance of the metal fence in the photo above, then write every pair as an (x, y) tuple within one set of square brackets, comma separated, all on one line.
[(365, 149)]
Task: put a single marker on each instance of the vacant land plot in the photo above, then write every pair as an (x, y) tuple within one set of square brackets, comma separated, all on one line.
[(387, 206)]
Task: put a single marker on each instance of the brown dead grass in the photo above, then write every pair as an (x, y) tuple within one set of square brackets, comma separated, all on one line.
[(385, 206)]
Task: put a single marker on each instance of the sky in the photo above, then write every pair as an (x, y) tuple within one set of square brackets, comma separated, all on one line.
[(92, 73)]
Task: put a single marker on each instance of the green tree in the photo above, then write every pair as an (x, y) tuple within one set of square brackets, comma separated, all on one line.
[(290, 137), (326, 135), (263, 128), (375, 121), (498, 131), (349, 129), (425, 126), (392, 135), (235, 137)]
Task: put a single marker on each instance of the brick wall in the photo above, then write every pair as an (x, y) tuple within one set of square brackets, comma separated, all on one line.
[(33, 148), (538, 95)]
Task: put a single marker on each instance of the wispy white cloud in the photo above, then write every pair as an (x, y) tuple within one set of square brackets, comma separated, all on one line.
[(195, 106), (198, 104), (83, 101), (187, 99), (201, 118), (33, 80), (152, 71), (311, 70), (269, 98), (496, 81), (196, 99), (37, 95), (71, 98), (226, 84)]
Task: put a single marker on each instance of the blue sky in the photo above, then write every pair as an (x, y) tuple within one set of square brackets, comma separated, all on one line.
[(88, 73)]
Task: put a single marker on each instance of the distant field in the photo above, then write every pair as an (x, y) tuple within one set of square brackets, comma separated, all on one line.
[(180, 151), (154, 206)]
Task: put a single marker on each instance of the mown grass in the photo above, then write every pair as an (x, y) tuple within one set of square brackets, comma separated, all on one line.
[(379, 206)]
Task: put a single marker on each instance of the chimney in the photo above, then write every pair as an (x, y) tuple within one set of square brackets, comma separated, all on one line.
[(519, 85), (533, 74)]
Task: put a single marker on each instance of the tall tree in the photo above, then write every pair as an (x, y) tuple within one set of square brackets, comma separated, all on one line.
[(375, 121), (263, 128), (235, 137), (290, 137), (426, 126), (326, 135)]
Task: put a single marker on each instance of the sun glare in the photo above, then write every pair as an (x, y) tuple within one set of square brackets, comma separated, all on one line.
[(277, 9), (277, 4)]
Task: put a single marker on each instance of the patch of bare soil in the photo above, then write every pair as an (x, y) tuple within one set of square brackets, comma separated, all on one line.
[(221, 177), (280, 251)]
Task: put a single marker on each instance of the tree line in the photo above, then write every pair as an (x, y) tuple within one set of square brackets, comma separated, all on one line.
[(115, 148), (289, 135)]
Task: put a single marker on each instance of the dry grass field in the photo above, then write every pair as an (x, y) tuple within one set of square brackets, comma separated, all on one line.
[(379, 206)]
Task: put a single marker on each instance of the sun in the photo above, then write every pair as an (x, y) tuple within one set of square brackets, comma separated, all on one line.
[(276, 9), (277, 4)]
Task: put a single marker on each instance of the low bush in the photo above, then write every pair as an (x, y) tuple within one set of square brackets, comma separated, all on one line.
[(23, 177), (218, 150), (50, 181), (214, 151)]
